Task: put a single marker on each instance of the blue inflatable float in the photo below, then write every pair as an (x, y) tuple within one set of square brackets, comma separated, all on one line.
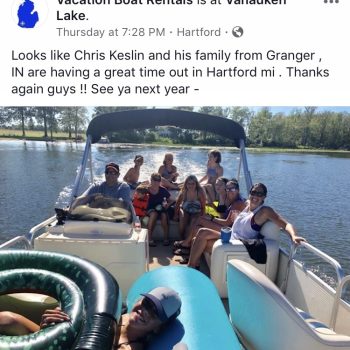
[(203, 323)]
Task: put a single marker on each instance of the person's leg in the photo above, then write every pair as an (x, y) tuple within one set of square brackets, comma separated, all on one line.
[(153, 216), (195, 225), (210, 193), (15, 324), (199, 245), (165, 227), (183, 223), (169, 185)]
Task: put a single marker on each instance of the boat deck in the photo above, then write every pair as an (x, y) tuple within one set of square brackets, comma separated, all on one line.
[(163, 256)]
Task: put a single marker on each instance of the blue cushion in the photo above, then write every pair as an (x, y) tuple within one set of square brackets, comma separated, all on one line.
[(203, 322)]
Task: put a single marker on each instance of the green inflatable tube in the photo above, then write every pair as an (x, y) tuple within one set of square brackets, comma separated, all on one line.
[(59, 336), (100, 291)]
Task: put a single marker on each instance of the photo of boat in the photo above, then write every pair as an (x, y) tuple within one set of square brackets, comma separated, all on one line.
[(234, 303)]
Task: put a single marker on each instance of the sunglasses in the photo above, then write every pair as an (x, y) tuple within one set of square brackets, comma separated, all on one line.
[(232, 189), (257, 193), (150, 307), (111, 173)]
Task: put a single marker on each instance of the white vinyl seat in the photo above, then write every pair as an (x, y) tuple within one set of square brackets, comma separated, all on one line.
[(265, 319), (235, 249)]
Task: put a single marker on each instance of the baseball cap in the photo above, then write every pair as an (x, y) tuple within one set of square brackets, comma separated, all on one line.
[(166, 301), (112, 166)]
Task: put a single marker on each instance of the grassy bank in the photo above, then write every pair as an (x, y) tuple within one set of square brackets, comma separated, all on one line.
[(34, 135), (293, 150), (38, 136)]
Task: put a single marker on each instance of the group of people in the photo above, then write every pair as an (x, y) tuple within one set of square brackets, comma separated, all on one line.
[(202, 207)]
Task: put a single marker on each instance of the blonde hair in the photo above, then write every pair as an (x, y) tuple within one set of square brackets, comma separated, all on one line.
[(167, 155), (189, 178)]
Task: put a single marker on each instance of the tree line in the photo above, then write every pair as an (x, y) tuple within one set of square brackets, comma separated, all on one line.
[(302, 128)]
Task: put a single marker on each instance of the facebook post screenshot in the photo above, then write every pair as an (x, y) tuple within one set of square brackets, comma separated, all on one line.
[(174, 174)]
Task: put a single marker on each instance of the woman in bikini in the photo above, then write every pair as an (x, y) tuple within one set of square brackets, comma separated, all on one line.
[(247, 225), (235, 204), (190, 203), (148, 316), (214, 170)]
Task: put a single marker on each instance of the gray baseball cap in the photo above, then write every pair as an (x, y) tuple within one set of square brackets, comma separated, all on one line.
[(166, 301)]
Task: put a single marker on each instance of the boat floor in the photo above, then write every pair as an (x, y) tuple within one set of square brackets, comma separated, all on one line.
[(163, 256)]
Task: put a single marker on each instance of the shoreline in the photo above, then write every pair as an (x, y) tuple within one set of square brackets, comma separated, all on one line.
[(250, 149)]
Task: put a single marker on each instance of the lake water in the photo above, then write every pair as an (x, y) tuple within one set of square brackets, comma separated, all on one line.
[(310, 190)]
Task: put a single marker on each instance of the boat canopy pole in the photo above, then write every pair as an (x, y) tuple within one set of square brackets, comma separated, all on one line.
[(81, 171), (90, 165), (248, 179), (239, 167)]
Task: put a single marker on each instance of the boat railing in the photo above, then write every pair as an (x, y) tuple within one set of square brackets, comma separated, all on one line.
[(292, 252), (14, 241), (341, 280), (32, 233), (338, 269), (338, 298)]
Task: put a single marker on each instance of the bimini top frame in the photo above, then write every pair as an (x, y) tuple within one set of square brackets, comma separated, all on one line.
[(149, 118)]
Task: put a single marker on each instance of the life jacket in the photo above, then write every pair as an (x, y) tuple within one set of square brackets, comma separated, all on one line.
[(140, 205)]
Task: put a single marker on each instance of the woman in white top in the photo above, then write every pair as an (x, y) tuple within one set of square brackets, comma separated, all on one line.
[(248, 223)]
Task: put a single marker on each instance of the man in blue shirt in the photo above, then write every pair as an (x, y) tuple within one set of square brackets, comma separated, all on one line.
[(111, 187)]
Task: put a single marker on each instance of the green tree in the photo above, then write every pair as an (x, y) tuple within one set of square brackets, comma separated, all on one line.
[(19, 114), (73, 119)]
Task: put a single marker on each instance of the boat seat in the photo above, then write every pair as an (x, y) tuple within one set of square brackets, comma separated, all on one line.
[(265, 319), (235, 249), (203, 323)]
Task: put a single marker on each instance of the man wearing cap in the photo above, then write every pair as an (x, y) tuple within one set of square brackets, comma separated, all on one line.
[(111, 187), (149, 314)]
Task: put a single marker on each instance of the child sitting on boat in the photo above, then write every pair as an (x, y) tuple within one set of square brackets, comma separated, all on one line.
[(133, 174), (221, 203), (169, 173), (189, 204), (214, 170), (158, 204), (140, 202)]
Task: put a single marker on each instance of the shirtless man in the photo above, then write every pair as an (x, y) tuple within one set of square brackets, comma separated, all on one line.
[(133, 174)]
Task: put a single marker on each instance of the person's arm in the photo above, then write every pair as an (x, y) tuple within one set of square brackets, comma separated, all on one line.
[(179, 200), (124, 192), (223, 222), (128, 175), (220, 171), (85, 197), (267, 213), (13, 324), (174, 174), (160, 170)]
